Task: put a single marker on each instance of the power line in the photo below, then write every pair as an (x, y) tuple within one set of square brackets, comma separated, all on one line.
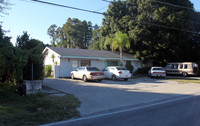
[(74, 8), (101, 9), (148, 23), (158, 25), (106, 1), (164, 3), (174, 6)]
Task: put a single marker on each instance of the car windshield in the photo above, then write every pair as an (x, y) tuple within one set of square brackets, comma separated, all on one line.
[(92, 69), (121, 68), (158, 69)]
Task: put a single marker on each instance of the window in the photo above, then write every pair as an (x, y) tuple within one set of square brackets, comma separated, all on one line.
[(121, 68), (181, 66), (111, 68), (185, 66), (85, 62), (112, 63), (175, 66), (169, 66), (81, 69), (92, 69), (158, 69)]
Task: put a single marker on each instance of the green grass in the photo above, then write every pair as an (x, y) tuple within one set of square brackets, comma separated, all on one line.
[(38, 109), (186, 80)]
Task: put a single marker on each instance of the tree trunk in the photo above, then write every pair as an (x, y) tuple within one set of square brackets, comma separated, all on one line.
[(121, 58)]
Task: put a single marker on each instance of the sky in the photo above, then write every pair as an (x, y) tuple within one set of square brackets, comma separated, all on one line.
[(36, 18)]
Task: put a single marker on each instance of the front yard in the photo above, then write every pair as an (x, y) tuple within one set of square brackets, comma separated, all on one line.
[(39, 109)]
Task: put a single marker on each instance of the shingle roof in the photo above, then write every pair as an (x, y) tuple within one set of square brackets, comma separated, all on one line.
[(88, 53)]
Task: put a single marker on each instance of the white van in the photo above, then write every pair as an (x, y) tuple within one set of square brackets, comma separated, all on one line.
[(182, 68)]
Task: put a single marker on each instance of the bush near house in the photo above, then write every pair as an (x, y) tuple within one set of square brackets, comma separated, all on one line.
[(48, 70), (129, 66), (15, 62), (143, 70)]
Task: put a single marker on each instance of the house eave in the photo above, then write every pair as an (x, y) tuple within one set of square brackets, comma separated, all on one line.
[(98, 58)]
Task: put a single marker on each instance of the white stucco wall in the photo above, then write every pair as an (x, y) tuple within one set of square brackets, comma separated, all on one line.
[(48, 58), (98, 63), (65, 67), (136, 65)]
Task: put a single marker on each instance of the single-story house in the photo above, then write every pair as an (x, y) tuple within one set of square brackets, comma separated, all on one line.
[(65, 60)]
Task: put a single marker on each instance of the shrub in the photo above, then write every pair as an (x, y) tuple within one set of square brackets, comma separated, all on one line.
[(129, 66), (143, 70), (48, 70)]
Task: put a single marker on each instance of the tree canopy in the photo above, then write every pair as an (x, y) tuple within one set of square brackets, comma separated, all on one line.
[(157, 31), (33, 51), (74, 33)]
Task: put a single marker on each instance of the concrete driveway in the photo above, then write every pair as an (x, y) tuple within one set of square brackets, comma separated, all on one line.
[(108, 96)]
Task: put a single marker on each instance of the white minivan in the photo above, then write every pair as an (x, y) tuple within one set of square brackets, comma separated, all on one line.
[(117, 72), (182, 68)]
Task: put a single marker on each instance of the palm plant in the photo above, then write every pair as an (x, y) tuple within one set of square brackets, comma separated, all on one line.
[(120, 41)]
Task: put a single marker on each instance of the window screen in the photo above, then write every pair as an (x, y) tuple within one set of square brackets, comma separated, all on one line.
[(112, 63), (85, 62)]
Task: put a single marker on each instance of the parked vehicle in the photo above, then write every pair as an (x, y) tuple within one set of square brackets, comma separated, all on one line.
[(117, 72), (182, 68), (88, 73), (157, 72)]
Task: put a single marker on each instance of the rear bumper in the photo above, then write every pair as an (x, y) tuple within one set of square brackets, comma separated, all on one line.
[(158, 75), (95, 77), (124, 76)]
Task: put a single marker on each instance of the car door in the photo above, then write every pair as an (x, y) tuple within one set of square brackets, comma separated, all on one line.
[(111, 72), (75, 73), (81, 72)]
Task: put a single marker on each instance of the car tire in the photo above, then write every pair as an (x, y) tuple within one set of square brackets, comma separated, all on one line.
[(72, 76), (99, 80), (125, 79), (184, 74), (114, 78), (85, 78)]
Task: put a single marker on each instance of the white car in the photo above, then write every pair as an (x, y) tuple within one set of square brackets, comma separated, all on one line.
[(157, 72), (88, 73), (117, 72)]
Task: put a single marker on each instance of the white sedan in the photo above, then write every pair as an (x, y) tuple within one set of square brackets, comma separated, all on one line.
[(87, 73), (157, 72), (117, 72)]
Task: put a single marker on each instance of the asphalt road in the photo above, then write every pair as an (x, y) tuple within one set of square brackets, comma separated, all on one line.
[(182, 111)]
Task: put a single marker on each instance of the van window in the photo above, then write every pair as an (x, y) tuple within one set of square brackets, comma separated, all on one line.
[(169, 66), (181, 66), (185, 66), (175, 66)]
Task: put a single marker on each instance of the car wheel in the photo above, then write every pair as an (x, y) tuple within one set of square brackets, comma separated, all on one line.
[(99, 80), (113, 77), (72, 76), (125, 79), (84, 78), (184, 74)]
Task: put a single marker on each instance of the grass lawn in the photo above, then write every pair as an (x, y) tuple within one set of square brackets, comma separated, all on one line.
[(38, 109), (186, 80)]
